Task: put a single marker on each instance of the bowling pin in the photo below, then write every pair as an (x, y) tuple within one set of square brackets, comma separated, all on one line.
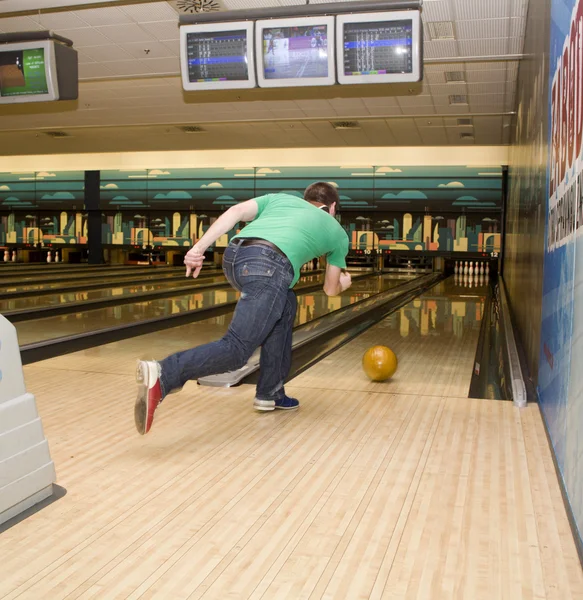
[(14, 256), (487, 269), (6, 256), (49, 257), (466, 268), (456, 267), (471, 270), (56, 256), (481, 268)]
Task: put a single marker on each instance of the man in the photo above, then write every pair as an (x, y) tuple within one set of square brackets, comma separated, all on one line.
[(263, 262)]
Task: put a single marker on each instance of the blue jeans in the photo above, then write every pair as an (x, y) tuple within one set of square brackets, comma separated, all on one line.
[(264, 316)]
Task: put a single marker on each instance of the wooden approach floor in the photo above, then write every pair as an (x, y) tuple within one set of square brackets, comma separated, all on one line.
[(406, 490)]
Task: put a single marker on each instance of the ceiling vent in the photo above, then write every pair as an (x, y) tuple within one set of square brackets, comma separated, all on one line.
[(466, 136), (441, 30), (192, 7), (192, 129), (458, 99), (455, 77), (465, 123), (57, 134), (346, 125)]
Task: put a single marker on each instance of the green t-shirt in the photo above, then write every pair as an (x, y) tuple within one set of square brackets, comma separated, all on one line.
[(299, 229)]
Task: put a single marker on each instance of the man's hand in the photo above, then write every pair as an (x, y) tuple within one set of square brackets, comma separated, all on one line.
[(345, 280), (193, 261)]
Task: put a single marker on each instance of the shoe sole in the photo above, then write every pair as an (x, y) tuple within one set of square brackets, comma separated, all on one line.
[(264, 405), (269, 407), (141, 405)]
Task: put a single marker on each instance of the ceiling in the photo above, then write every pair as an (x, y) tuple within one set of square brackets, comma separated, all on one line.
[(131, 96)]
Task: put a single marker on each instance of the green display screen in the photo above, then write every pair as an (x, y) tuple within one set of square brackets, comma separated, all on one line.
[(23, 73)]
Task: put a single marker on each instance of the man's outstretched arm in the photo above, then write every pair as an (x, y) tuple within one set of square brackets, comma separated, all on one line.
[(246, 211), (336, 280)]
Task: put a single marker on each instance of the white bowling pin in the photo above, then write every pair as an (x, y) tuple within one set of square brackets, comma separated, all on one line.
[(456, 267), (6, 256), (56, 256), (49, 257), (481, 268), (14, 256), (466, 268), (487, 269), (471, 271)]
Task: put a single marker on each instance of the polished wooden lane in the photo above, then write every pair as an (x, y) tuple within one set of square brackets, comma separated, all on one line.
[(117, 290), (46, 328), (372, 495), (435, 338), (362, 493)]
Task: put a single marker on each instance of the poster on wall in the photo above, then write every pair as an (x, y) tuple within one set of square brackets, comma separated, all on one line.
[(561, 354)]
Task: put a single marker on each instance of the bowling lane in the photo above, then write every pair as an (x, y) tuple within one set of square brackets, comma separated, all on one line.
[(66, 268), (61, 285), (116, 291), (113, 273), (310, 306), (435, 339), (119, 357)]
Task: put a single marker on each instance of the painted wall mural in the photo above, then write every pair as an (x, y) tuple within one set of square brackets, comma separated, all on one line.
[(435, 209), (43, 227), (445, 209)]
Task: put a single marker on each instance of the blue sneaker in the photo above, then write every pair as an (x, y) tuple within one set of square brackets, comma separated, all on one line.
[(285, 403)]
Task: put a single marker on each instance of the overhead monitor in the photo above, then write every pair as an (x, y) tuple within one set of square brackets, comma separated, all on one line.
[(217, 56), (37, 71), (295, 52), (379, 47)]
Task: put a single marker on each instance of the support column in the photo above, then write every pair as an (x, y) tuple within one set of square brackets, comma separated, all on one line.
[(92, 181)]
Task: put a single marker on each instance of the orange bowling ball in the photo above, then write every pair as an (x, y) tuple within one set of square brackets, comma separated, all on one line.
[(379, 363)]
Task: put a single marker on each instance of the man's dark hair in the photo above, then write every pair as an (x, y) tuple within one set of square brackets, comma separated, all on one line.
[(321, 192)]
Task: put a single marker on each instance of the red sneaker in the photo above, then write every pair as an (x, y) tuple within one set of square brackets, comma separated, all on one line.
[(149, 394)]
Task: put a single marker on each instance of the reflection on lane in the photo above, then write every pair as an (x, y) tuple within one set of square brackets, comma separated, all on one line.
[(449, 310), (312, 306), (97, 278), (62, 278), (34, 302), (309, 306)]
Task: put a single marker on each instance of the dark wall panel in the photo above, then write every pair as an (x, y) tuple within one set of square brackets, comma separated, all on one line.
[(526, 207)]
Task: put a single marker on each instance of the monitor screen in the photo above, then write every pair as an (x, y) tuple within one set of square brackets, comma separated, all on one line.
[(295, 52), (377, 48), (215, 56), (23, 72)]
